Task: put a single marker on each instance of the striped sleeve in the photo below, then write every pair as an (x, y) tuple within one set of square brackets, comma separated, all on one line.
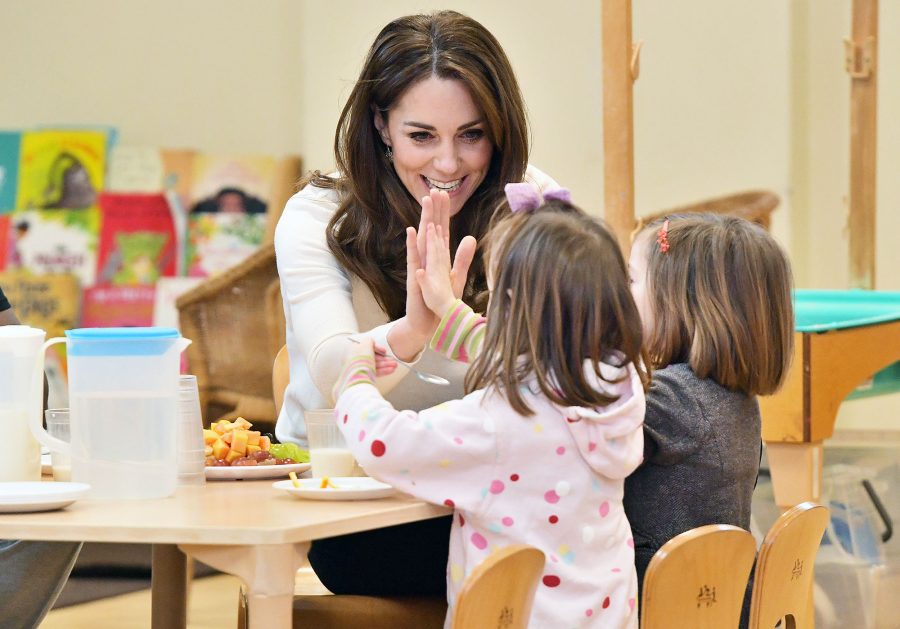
[(460, 333), (357, 370)]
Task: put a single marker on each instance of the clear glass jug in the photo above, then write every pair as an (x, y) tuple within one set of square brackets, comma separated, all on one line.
[(21, 400), (123, 406)]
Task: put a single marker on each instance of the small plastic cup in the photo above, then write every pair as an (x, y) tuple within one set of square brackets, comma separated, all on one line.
[(328, 451), (190, 456), (58, 426)]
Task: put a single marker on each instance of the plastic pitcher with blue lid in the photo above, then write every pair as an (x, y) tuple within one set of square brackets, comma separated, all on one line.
[(123, 405)]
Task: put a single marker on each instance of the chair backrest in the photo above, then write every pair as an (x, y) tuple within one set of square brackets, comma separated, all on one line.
[(699, 578), (753, 205), (783, 581), (500, 591), (281, 375)]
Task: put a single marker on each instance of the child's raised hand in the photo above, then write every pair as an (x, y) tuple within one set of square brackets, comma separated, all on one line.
[(435, 279)]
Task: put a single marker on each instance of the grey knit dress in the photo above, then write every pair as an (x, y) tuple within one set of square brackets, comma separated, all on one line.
[(701, 461)]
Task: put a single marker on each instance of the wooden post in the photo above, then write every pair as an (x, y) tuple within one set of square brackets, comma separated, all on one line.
[(619, 72), (861, 63)]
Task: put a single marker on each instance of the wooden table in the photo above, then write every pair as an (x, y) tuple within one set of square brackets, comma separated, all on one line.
[(826, 367), (248, 529)]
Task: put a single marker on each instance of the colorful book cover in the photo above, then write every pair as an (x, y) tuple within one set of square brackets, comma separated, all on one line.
[(55, 241), (5, 236), (137, 239), (10, 142), (168, 290), (118, 306), (61, 169), (49, 302), (220, 241), (225, 184), (135, 169)]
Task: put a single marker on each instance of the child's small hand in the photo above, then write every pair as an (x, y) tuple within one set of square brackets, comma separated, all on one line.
[(384, 364), (435, 279)]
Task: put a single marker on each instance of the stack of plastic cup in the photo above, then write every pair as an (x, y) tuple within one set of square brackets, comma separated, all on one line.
[(191, 458)]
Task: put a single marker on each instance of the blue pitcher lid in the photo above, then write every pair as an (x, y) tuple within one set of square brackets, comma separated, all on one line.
[(121, 341), (122, 334)]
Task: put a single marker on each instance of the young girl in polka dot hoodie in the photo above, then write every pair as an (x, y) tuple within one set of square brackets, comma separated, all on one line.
[(538, 451)]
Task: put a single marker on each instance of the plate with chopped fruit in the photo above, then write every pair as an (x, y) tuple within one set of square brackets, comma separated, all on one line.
[(234, 452), (253, 472), (336, 488)]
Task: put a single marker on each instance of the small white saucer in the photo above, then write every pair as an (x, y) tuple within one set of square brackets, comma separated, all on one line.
[(25, 497), (344, 488)]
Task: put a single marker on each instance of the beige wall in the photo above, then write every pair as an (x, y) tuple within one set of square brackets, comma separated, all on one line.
[(731, 95)]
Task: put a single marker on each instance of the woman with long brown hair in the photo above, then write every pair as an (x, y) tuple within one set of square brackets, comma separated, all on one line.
[(432, 131)]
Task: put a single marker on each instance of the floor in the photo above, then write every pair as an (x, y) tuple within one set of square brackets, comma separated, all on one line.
[(213, 604)]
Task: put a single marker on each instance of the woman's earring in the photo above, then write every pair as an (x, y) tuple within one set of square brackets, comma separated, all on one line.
[(389, 152)]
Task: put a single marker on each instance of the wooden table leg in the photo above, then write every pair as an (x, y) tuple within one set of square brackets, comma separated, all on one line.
[(796, 471), (267, 571), (168, 587)]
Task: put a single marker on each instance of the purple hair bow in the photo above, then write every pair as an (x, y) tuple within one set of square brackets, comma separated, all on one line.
[(523, 197)]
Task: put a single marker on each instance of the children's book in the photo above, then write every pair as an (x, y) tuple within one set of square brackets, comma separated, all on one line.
[(168, 290), (49, 302), (55, 241), (118, 306), (10, 142), (227, 183), (220, 241), (137, 239), (5, 235), (61, 169), (135, 169)]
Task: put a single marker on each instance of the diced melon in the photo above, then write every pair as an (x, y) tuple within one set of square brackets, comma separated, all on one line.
[(228, 436), (253, 437), (241, 424), (239, 441), (209, 436), (252, 449), (220, 449), (265, 443), (233, 456)]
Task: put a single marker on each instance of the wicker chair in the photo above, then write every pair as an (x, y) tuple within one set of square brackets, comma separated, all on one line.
[(753, 205), (236, 323)]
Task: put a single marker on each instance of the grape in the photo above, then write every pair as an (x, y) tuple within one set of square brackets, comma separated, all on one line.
[(244, 461)]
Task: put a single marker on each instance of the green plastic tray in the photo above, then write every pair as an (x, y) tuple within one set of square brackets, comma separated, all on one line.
[(823, 310)]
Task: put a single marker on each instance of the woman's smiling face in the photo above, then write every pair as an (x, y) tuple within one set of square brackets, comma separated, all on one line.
[(439, 140)]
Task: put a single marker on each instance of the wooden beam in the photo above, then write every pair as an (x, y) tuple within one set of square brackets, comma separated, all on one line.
[(861, 63), (618, 119)]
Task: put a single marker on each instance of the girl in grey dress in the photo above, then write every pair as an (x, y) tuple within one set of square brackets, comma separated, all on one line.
[(714, 294)]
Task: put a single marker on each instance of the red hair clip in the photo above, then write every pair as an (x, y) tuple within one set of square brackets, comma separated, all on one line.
[(662, 237)]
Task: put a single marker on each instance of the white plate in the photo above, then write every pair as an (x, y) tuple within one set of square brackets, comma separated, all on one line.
[(345, 488), (251, 472), (38, 496)]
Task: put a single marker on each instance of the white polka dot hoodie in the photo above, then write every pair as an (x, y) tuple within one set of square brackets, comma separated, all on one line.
[(553, 480)]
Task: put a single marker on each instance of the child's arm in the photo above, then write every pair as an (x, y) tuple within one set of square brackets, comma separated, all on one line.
[(444, 455), (460, 334)]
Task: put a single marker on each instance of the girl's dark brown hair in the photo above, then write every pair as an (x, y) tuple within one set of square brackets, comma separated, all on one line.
[(560, 298), (721, 301), (367, 233)]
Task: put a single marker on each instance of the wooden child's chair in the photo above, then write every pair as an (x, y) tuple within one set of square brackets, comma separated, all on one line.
[(783, 585), (498, 593), (698, 579)]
